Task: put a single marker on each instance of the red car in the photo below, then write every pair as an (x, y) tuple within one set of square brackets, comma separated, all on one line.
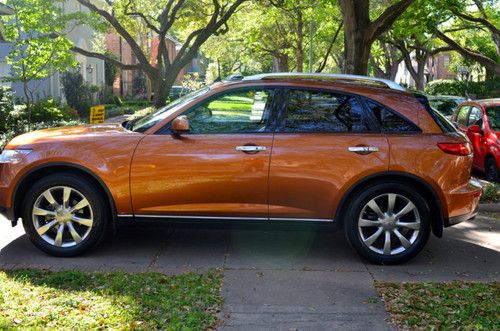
[(480, 120)]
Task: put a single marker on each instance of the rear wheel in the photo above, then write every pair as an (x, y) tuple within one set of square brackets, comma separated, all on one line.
[(388, 223), (64, 215), (491, 169)]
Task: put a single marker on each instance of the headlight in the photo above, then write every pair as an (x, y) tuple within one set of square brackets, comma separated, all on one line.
[(13, 155)]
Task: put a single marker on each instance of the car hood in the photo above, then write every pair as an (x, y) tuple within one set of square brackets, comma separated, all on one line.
[(67, 133)]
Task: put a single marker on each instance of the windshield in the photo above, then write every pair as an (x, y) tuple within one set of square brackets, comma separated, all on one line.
[(494, 117), (148, 121)]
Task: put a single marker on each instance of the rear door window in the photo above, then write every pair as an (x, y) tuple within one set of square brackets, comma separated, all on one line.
[(322, 111)]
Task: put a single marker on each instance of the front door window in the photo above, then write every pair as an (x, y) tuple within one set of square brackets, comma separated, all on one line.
[(242, 111)]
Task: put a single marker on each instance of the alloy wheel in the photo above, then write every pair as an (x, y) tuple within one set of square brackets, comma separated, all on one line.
[(389, 224), (62, 216)]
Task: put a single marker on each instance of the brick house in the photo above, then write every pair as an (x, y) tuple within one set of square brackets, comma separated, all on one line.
[(123, 84)]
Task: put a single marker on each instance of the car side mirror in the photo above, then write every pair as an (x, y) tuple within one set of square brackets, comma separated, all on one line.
[(475, 129), (180, 125)]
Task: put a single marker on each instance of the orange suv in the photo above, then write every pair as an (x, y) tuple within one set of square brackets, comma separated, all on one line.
[(358, 152)]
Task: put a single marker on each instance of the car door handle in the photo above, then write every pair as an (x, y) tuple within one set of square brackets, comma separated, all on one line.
[(363, 149), (250, 148)]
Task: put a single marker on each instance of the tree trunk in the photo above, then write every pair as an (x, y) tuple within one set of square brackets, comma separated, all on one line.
[(29, 101), (420, 77), (360, 32), (280, 63), (357, 46), (299, 48)]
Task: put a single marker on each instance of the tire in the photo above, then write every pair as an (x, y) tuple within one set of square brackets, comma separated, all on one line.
[(83, 213), (491, 170), (367, 232)]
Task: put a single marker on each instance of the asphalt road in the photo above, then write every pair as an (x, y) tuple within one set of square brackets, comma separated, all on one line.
[(303, 278)]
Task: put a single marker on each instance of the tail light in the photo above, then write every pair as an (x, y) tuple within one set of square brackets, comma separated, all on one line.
[(461, 149)]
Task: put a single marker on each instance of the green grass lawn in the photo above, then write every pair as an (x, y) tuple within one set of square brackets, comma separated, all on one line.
[(73, 300), (442, 306)]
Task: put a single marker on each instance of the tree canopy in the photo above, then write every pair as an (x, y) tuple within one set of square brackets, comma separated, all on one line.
[(252, 36)]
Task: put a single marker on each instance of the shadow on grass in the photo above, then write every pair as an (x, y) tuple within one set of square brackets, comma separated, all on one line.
[(33, 299)]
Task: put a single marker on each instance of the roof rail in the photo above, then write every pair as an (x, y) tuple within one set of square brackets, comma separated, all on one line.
[(380, 82)]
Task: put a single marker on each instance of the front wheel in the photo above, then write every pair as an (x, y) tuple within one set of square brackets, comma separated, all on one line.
[(388, 223), (63, 215)]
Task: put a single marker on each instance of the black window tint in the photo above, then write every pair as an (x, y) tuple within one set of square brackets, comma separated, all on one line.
[(390, 121), (462, 115), (243, 111), (319, 111)]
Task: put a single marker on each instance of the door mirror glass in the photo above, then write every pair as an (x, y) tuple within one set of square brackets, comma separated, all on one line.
[(180, 124)]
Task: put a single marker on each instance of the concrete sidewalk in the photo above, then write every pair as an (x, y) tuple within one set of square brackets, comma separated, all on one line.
[(274, 277)]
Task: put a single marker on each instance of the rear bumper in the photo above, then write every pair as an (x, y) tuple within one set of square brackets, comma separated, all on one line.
[(461, 218), (463, 204)]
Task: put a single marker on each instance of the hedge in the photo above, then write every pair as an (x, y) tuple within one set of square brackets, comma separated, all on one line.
[(477, 90)]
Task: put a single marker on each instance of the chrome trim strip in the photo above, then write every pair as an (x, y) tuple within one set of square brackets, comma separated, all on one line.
[(202, 217), (231, 218), (301, 219), (125, 215), (297, 75)]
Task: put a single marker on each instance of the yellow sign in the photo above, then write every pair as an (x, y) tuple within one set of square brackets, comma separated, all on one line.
[(97, 114)]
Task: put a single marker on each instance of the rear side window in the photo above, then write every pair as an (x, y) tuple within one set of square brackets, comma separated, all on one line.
[(389, 121), (322, 111)]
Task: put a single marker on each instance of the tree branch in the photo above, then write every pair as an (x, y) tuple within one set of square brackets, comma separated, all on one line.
[(387, 18), (141, 57), (108, 59), (440, 50), (330, 47), (407, 59), (469, 53), (150, 25), (493, 29)]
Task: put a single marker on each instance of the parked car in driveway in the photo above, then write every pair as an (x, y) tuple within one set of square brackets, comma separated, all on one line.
[(445, 104), (362, 154), (480, 120)]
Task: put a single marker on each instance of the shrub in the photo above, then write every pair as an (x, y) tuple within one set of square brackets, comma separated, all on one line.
[(6, 108), (491, 193), (117, 101), (78, 93), (480, 90), (139, 83), (48, 110)]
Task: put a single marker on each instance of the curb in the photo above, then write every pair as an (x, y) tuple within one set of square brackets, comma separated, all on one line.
[(489, 207)]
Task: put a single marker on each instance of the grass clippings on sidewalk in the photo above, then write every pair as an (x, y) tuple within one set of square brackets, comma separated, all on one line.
[(442, 306), (70, 300)]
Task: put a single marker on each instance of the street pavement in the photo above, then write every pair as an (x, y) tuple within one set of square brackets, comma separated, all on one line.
[(277, 277)]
